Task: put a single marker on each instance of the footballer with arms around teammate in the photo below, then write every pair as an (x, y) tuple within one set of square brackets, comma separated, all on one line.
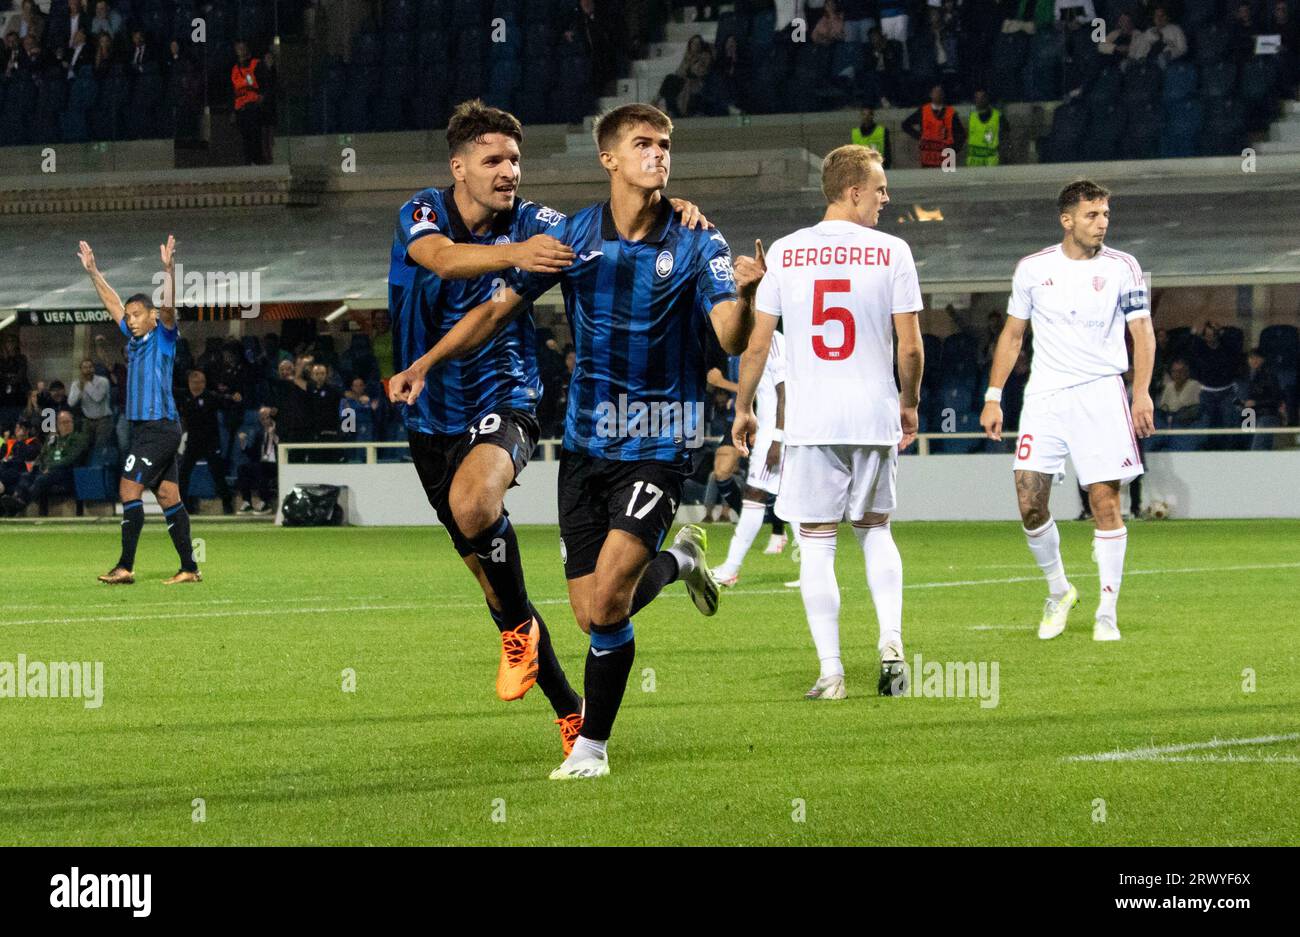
[(639, 296), (473, 430), (151, 411), (1079, 296)]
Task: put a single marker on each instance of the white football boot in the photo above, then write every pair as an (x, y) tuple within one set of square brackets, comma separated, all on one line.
[(1056, 612), (1105, 629)]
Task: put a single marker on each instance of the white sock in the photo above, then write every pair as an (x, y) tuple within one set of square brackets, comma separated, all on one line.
[(685, 561), (1045, 544), (1108, 550), (884, 579), (821, 596), (747, 528), (586, 746)]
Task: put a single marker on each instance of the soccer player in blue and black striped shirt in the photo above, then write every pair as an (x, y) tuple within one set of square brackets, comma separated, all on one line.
[(640, 297), (155, 429)]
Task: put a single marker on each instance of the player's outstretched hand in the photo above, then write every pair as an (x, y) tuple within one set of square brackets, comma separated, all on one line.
[(87, 257), (743, 429), (167, 252), (542, 253), (1144, 415), (692, 217), (405, 387), (907, 416), (991, 420), (750, 270)]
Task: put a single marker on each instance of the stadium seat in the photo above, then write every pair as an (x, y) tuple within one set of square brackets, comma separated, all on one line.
[(146, 100), (1065, 141), (467, 14), (1105, 132), (1180, 81), (256, 20), (401, 16), (1198, 12), (1010, 52), (19, 110), (538, 41), (94, 483), (504, 79), (431, 50), (1142, 82), (362, 88), (1181, 129), (398, 49), (51, 100), (201, 483), (1223, 131), (470, 48), (1258, 92), (431, 97), (1211, 43), (1142, 137), (391, 111), (510, 10), (958, 361), (366, 50), (107, 116), (1106, 85), (434, 14), (1218, 80), (81, 98)]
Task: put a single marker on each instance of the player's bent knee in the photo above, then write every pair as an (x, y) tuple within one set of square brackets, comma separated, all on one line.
[(474, 514), (872, 520)]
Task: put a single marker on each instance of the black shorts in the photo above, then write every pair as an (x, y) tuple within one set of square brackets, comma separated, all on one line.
[(151, 453), (437, 457), (599, 495)]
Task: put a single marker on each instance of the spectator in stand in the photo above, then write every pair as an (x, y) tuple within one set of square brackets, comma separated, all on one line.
[(53, 398), (322, 412), (34, 58), (104, 58), (1179, 408), (1241, 33), (1284, 25), (13, 379), (1013, 393), (858, 21), (31, 22), (358, 416), (1161, 365), (18, 454), (1081, 11), (680, 92), (270, 109), (728, 83), (259, 472), (359, 360), (32, 410), (77, 54), (884, 73), (107, 20), (11, 56), (988, 128), (937, 127), (987, 342), (1263, 396), (830, 27), (592, 30), (76, 20), (1119, 41), (246, 77), (53, 472), (869, 133), (90, 392), (893, 24), (1217, 367), (287, 399), (141, 57), (381, 342), (941, 39), (1163, 43), (199, 410)]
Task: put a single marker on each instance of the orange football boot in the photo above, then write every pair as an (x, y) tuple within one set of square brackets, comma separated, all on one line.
[(570, 727), (517, 671)]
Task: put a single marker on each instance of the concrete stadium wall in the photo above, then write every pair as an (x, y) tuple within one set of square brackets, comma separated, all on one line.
[(940, 487)]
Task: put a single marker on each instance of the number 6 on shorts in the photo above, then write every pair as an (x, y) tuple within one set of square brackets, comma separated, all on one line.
[(1025, 448)]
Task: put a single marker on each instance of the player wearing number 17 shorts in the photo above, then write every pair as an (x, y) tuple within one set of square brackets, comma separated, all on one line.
[(1078, 296), (843, 290)]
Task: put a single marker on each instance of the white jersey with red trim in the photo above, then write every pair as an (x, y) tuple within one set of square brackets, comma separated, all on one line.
[(837, 285), (1078, 310)]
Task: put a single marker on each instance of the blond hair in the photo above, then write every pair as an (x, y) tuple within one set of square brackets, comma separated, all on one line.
[(846, 166)]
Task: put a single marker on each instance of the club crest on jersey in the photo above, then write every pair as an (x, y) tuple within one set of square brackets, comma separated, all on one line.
[(549, 216), (664, 263), (721, 267), (502, 239), (1098, 283)]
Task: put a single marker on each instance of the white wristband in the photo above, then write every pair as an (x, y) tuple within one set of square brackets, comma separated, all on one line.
[(993, 395), (778, 435)]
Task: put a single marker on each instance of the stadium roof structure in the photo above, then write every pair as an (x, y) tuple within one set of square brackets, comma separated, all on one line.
[(1189, 223)]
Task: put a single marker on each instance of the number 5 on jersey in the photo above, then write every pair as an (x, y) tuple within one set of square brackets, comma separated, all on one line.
[(821, 315)]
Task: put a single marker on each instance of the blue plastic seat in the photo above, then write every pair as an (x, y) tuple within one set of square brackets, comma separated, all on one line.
[(1218, 80), (1180, 81), (1182, 129)]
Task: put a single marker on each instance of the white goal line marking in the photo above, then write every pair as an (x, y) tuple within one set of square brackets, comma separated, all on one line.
[(563, 600), (1162, 752)]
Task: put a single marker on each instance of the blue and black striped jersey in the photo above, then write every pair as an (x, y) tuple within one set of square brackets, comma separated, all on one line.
[(639, 311), (149, 361), (424, 307)]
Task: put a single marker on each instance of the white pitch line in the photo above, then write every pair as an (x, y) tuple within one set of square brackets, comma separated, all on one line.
[(1158, 752), (563, 600), (1234, 759)]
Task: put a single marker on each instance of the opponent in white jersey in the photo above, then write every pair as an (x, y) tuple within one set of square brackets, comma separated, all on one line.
[(764, 478), (1079, 295), (842, 289)]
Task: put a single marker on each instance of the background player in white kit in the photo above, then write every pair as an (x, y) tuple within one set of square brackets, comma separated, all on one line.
[(843, 289), (1078, 295), (764, 477)]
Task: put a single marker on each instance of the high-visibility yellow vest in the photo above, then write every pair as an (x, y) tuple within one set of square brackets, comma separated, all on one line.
[(982, 143), (875, 139)]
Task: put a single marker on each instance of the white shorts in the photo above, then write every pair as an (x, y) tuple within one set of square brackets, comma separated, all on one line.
[(1091, 422), (760, 476), (829, 484)]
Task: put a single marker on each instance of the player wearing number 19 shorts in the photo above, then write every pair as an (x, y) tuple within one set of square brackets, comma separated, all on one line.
[(842, 290), (1078, 296)]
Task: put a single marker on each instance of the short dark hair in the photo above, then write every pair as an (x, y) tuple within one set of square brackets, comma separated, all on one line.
[(473, 120), (1082, 190), (139, 298), (57, 385), (1255, 352), (612, 124)]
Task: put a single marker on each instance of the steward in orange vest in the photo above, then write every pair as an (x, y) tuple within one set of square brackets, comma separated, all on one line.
[(937, 126)]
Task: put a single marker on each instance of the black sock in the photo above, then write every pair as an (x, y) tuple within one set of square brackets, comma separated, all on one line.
[(606, 676), (178, 525), (730, 493), (662, 570), (132, 524), (497, 549)]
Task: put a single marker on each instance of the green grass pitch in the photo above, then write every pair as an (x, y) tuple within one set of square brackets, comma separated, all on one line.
[(232, 691)]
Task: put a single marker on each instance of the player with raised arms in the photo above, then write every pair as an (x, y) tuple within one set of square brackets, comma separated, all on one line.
[(155, 427), (843, 290), (1078, 296), (639, 296)]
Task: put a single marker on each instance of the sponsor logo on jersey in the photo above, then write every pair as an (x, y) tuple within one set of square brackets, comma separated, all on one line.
[(721, 267), (591, 255), (664, 263), (549, 216), (503, 239)]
